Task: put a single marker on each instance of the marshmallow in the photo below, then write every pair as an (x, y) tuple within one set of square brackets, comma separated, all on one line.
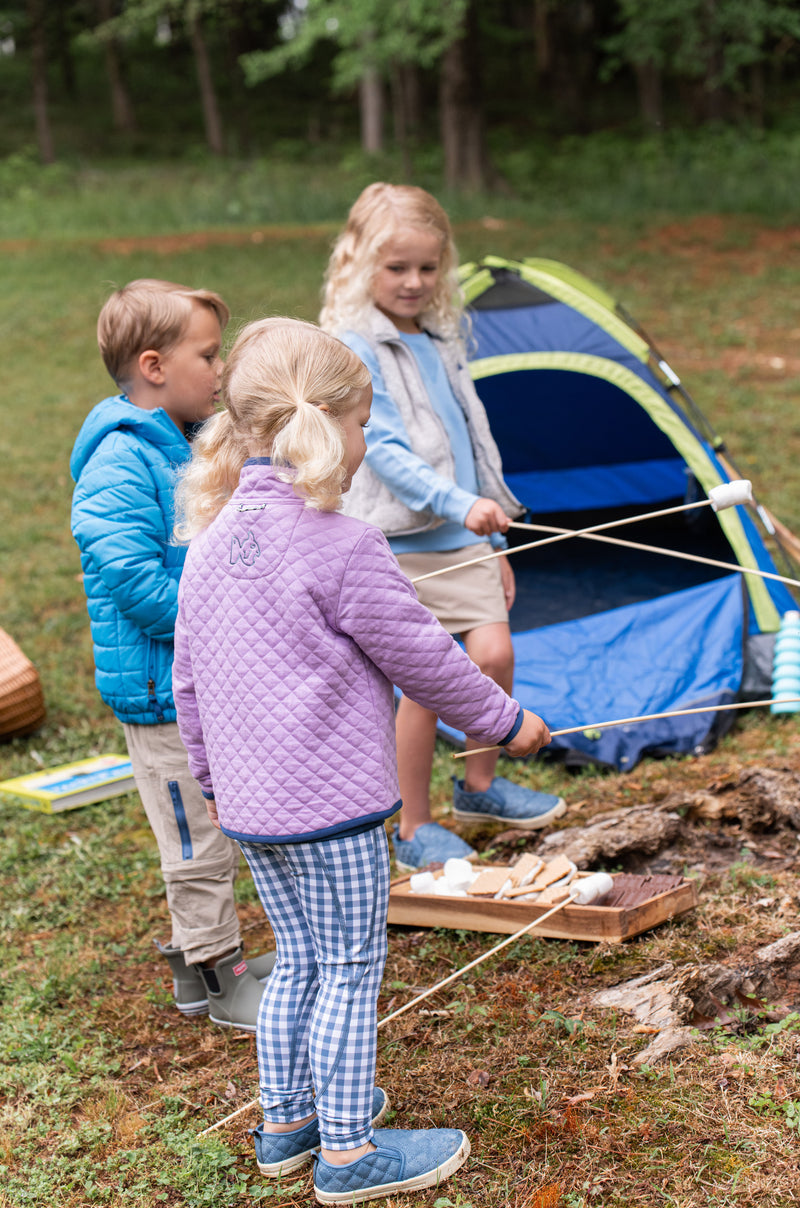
[(729, 494), (459, 873), (422, 882), (589, 889), (443, 889)]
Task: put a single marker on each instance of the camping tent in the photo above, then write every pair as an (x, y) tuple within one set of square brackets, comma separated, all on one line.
[(592, 426)]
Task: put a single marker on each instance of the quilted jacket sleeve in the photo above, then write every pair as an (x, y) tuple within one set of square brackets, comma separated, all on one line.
[(119, 523), (189, 723), (379, 610)]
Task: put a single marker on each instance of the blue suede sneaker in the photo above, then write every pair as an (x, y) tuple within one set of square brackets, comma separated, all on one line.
[(279, 1153), (507, 802), (405, 1159), (431, 843)]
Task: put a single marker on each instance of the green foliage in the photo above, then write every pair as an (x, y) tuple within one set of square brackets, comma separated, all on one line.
[(743, 875), (713, 43), (366, 33)]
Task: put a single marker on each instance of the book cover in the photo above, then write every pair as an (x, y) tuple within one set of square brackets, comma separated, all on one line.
[(71, 784)]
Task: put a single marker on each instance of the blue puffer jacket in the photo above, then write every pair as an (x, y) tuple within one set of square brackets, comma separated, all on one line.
[(124, 464)]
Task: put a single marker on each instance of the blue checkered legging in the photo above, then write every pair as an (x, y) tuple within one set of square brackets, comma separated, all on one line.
[(327, 903)]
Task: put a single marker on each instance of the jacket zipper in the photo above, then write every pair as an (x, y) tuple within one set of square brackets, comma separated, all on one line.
[(151, 683)]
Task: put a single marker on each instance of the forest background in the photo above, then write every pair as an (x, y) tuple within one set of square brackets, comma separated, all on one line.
[(653, 145)]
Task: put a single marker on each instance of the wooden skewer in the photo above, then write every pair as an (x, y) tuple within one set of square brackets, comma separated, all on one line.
[(420, 998), (650, 549), (625, 721), (564, 535)]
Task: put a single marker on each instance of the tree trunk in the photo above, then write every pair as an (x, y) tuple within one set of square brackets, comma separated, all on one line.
[(370, 100), (466, 159), (405, 111), (541, 33), (757, 94), (121, 106), (63, 47), (208, 96), (651, 103), (44, 136)]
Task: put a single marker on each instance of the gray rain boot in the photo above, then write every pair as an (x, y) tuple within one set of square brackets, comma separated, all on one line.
[(188, 986), (234, 994)]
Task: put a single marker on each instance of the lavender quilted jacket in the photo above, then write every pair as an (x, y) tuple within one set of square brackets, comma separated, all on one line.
[(292, 626)]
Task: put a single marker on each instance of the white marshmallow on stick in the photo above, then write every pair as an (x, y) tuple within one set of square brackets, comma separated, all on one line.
[(590, 889), (731, 494)]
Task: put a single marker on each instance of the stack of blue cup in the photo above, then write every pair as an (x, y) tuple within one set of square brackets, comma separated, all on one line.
[(786, 665)]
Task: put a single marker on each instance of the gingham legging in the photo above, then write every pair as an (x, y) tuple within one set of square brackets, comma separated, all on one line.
[(327, 903)]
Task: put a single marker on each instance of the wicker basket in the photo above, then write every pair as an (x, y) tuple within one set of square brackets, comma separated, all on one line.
[(21, 702)]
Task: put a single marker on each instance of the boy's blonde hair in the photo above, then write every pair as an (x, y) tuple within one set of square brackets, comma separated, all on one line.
[(148, 313), (380, 211), (278, 375)]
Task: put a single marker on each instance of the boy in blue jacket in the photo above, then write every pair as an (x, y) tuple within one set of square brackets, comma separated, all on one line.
[(161, 344)]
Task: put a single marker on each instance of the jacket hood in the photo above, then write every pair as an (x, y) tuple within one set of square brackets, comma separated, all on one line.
[(117, 413)]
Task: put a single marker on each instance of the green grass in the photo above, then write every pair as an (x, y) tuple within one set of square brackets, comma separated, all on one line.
[(600, 178), (102, 1089)]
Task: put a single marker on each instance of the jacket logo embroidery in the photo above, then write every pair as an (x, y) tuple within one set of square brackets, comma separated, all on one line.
[(247, 551)]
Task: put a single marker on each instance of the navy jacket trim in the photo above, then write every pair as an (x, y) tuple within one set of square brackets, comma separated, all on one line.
[(515, 729), (357, 827)]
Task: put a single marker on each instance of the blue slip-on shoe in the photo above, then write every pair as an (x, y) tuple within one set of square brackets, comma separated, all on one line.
[(279, 1153), (431, 844), (405, 1159), (507, 802)]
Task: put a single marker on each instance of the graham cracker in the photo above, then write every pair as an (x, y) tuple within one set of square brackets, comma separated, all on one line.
[(490, 881)]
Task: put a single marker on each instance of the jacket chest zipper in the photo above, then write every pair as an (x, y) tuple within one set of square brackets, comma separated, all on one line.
[(151, 683)]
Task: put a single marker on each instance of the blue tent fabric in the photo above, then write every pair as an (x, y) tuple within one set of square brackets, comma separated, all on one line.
[(590, 432), (680, 651)]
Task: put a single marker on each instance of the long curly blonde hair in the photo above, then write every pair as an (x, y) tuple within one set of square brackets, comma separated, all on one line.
[(378, 213), (277, 377)]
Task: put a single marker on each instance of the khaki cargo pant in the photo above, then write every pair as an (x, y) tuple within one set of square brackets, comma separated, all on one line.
[(198, 862)]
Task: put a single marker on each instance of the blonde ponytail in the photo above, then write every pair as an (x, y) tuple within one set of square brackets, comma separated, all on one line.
[(285, 385)]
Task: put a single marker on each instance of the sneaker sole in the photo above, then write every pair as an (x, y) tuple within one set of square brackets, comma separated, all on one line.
[(274, 1170), (558, 810), (430, 1179), (401, 867)]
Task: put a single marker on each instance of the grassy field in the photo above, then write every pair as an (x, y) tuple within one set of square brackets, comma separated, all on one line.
[(102, 1088)]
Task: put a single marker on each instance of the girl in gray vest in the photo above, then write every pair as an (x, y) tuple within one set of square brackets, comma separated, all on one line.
[(432, 480)]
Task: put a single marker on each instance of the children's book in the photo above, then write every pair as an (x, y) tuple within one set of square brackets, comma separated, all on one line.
[(71, 784)]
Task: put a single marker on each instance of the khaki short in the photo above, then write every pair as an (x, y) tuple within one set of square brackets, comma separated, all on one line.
[(463, 599)]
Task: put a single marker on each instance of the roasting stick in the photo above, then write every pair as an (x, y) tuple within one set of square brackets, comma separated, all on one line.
[(625, 721), (583, 892), (649, 549), (726, 495)]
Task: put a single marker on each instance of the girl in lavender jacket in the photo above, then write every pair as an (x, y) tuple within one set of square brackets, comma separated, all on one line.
[(294, 622)]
